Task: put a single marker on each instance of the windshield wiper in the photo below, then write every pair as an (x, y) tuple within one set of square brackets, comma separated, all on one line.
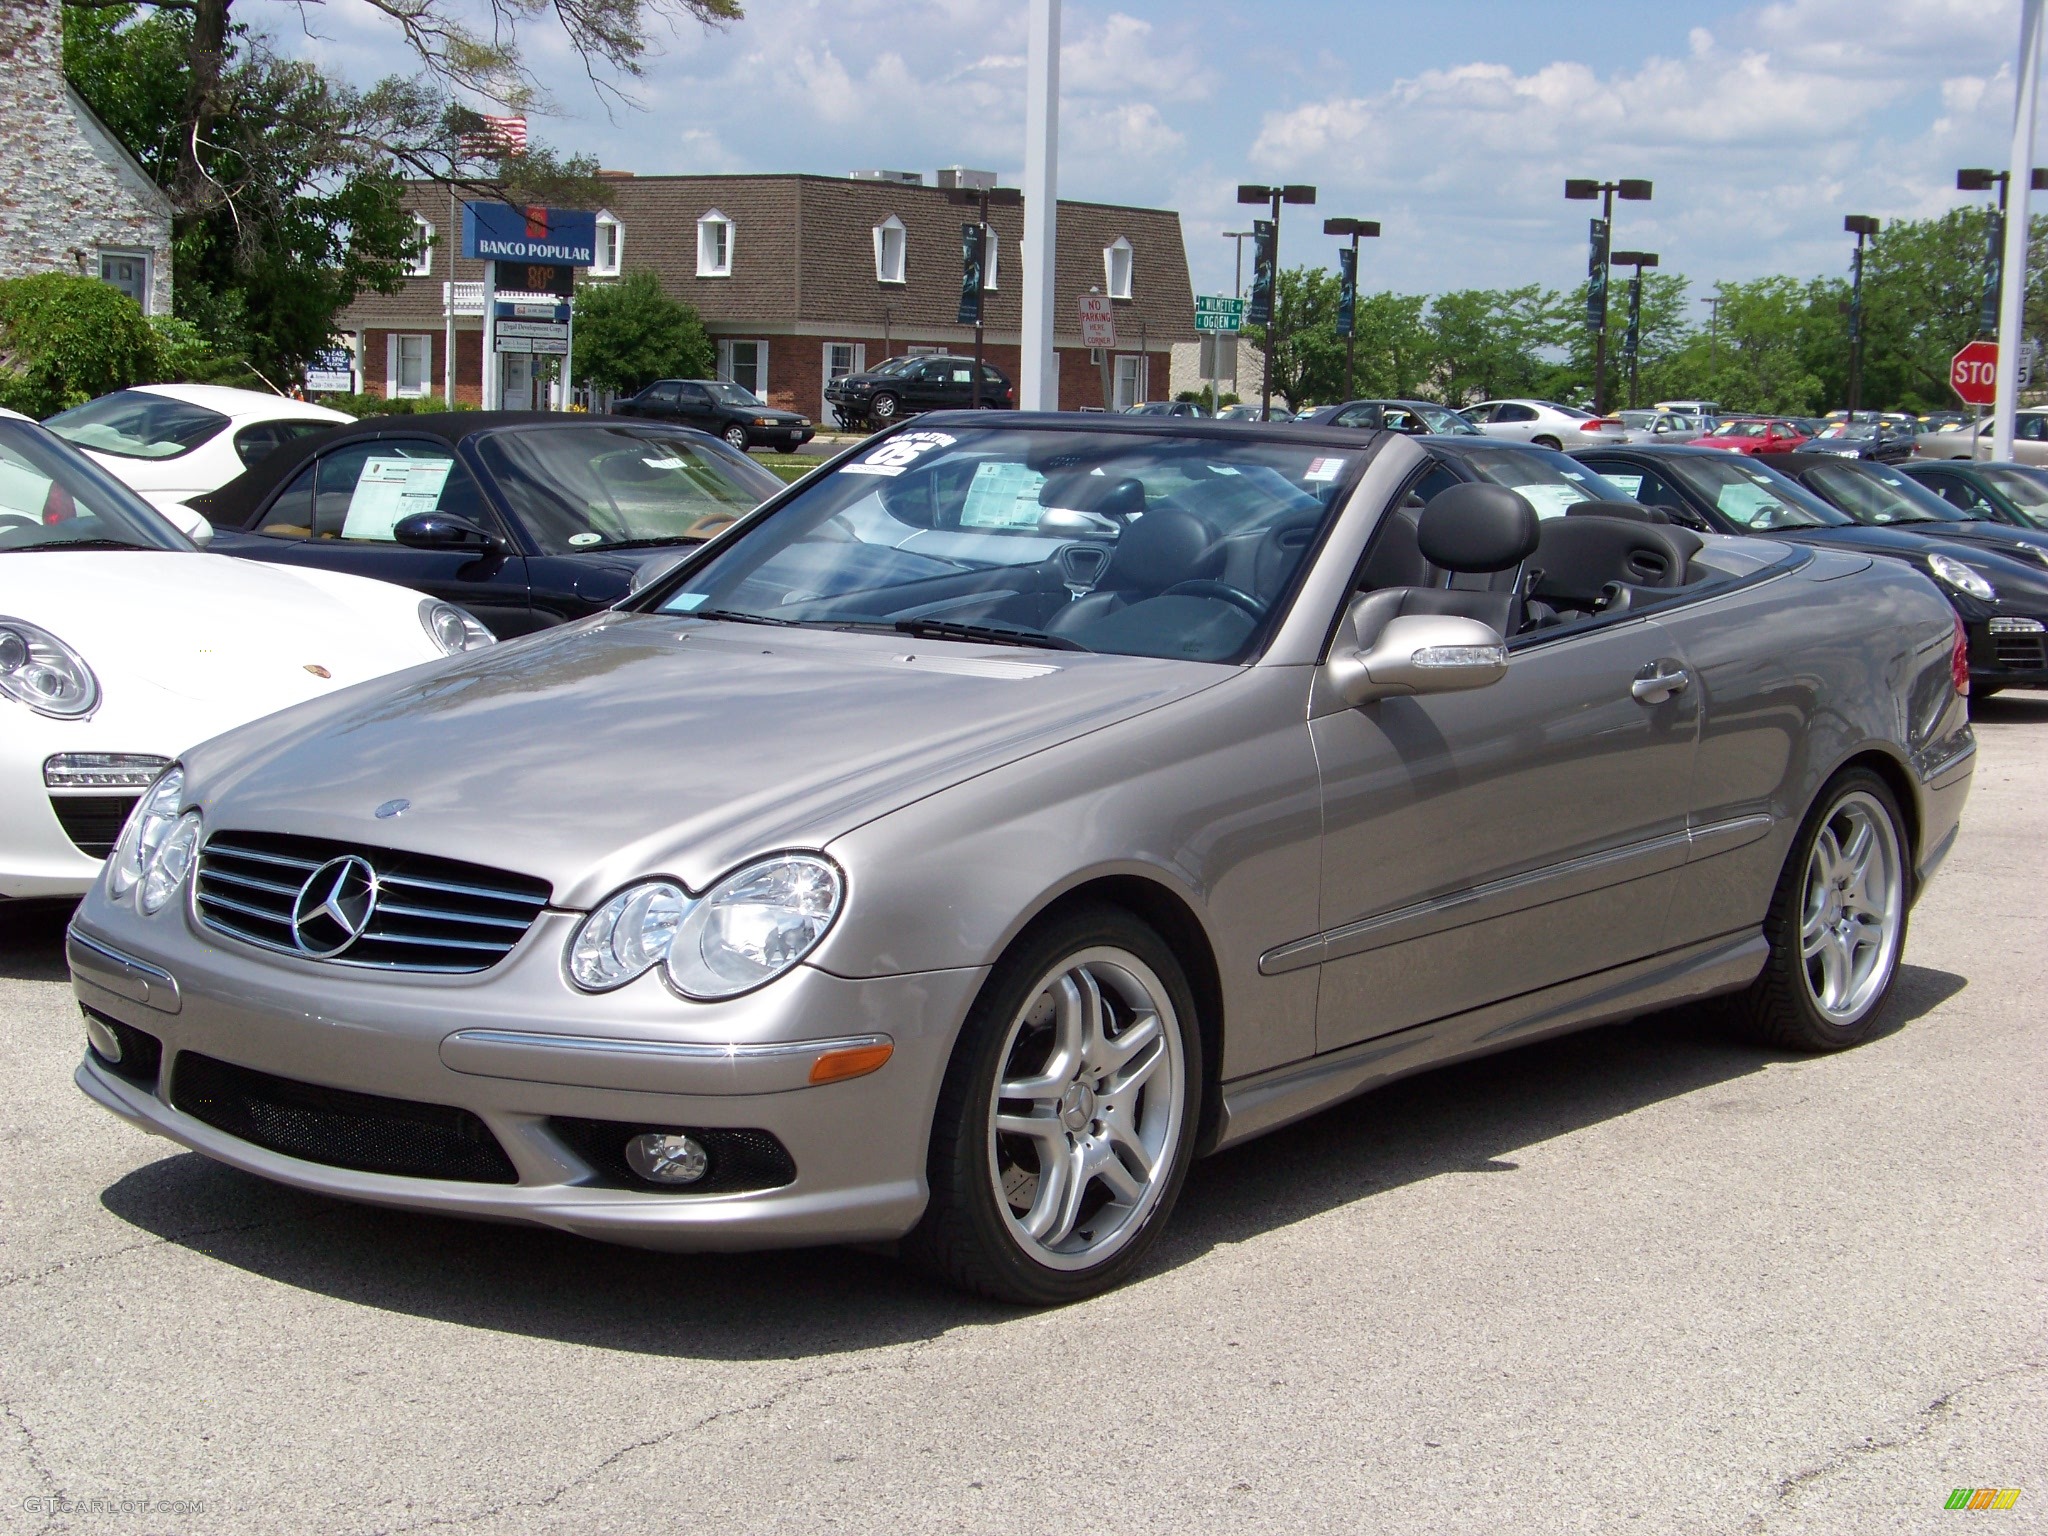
[(941, 629), (80, 544), (734, 616), (666, 538)]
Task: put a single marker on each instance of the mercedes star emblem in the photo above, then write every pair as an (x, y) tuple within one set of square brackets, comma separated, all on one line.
[(334, 906)]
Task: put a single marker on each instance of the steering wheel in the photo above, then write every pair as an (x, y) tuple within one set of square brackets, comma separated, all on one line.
[(1221, 590), (26, 519)]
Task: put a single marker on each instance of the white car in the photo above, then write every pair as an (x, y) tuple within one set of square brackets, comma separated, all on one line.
[(174, 441), (1655, 426), (1546, 424), (122, 644)]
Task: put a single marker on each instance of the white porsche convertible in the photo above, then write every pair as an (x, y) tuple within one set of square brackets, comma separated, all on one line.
[(122, 644)]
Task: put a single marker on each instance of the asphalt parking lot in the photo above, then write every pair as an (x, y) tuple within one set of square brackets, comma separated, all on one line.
[(1639, 1280)]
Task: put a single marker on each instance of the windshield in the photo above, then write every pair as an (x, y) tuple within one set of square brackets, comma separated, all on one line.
[(734, 394), (1740, 429), (582, 488), (1443, 422), (134, 424), (1881, 496), (2025, 489), (893, 365), (1837, 432), (1548, 481), (1139, 544), (1749, 495), (51, 497)]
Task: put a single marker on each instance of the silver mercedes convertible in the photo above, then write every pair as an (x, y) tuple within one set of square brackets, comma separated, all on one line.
[(960, 844)]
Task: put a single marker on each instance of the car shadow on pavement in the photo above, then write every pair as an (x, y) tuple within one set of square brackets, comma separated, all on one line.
[(2024, 708), (32, 940), (814, 1302)]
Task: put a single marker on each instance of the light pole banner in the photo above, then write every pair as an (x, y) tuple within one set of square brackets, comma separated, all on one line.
[(1994, 265), (1264, 244), (1596, 279), (970, 274), (1347, 291)]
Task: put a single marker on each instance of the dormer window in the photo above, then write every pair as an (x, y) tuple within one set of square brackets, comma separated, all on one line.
[(714, 245), (1116, 268), (611, 246), (420, 263), (892, 251)]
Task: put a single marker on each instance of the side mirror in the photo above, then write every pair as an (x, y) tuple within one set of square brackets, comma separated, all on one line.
[(1418, 653), (443, 530), (652, 571)]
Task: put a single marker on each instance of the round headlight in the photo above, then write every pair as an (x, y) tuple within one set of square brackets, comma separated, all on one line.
[(754, 925), (148, 824), (1961, 577), (41, 671), (627, 936), (452, 629), (165, 873)]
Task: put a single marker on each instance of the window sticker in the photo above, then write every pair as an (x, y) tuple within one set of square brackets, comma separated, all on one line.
[(1324, 470), (1746, 503), (581, 539), (390, 490), (899, 453), (1003, 496), (1632, 484), (686, 602), (1550, 500), (663, 463)]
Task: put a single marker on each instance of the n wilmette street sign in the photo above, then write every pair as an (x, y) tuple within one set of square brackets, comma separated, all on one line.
[(1218, 312)]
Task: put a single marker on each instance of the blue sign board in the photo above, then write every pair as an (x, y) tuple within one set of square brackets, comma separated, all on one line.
[(561, 237)]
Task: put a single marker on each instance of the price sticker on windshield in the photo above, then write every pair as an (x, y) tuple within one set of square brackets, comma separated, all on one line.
[(1324, 470), (899, 453)]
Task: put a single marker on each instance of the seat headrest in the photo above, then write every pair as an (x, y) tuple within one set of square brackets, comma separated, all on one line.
[(1079, 491), (1477, 527), (1161, 549)]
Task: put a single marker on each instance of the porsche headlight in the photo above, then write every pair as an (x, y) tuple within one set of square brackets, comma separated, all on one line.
[(452, 629), (1961, 577), (41, 671), (744, 932), (164, 875), (143, 836)]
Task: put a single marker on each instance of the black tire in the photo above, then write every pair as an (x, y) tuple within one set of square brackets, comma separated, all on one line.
[(1547, 442), (884, 408), (1780, 1008), (737, 436), (964, 1238)]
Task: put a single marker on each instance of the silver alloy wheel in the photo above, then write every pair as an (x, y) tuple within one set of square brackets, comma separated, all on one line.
[(1085, 1116), (737, 436), (1854, 908)]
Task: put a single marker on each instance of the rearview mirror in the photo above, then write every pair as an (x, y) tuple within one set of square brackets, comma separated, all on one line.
[(442, 530), (1419, 653)]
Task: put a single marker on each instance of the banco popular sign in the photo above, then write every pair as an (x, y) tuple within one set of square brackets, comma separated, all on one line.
[(561, 237)]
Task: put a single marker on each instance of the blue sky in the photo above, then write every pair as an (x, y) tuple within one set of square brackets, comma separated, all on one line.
[(1453, 122)]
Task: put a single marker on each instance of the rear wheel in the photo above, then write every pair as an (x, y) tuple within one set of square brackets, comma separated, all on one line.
[(1066, 1123), (1837, 922), (884, 408), (737, 436), (1547, 442)]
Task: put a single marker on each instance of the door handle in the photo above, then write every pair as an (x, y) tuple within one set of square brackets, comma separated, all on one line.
[(1659, 682)]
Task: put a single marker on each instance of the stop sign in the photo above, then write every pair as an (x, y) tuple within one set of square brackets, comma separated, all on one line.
[(1973, 373)]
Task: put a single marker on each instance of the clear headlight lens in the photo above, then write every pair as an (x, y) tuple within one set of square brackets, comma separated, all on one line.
[(148, 825), (742, 933), (41, 671), (452, 629), (164, 875), (1961, 577)]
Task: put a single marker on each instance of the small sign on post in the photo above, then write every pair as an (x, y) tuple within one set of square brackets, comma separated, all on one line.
[(1098, 321), (1219, 312)]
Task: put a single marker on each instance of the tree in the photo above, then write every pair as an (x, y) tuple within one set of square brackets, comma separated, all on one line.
[(66, 339), (1308, 364), (1488, 342), (630, 333), (1396, 351)]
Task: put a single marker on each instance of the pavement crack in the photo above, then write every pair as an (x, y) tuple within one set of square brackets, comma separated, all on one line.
[(179, 1239), (31, 1448)]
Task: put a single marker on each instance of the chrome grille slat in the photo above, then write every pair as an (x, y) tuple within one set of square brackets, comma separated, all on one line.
[(449, 918)]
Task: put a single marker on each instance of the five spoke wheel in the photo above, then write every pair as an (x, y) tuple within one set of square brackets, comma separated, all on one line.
[(1848, 934)]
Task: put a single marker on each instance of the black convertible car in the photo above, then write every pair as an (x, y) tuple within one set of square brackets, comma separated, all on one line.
[(524, 519), (1999, 594)]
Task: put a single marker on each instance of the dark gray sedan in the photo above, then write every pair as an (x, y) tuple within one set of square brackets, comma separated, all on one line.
[(1011, 812)]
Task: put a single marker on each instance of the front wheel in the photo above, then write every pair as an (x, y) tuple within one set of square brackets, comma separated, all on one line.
[(884, 409), (1067, 1119), (1837, 922), (737, 436)]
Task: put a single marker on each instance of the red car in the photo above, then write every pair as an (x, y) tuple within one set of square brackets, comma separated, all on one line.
[(1753, 434)]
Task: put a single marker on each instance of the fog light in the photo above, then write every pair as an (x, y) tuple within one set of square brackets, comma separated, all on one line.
[(105, 1043), (667, 1157), (2010, 626)]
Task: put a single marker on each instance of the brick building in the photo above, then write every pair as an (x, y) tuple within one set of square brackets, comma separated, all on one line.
[(802, 278), (71, 198)]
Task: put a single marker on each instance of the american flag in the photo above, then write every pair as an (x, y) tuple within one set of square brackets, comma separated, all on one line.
[(498, 138)]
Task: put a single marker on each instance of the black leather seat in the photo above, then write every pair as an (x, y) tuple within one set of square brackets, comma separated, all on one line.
[(1160, 550), (1473, 529)]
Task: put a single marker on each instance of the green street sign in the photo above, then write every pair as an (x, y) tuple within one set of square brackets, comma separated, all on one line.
[(1218, 312)]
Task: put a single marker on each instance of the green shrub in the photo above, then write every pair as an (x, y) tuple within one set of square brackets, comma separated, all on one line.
[(65, 340)]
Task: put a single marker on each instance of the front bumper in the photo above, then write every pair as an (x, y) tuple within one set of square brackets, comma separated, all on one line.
[(522, 1050), (2004, 655)]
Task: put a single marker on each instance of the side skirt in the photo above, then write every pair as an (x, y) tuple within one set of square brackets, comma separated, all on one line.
[(1265, 1102)]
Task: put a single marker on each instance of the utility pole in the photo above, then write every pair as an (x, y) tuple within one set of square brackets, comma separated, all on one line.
[(1275, 196), (1038, 369), (1581, 190), (2012, 299), (1863, 227), (1370, 229)]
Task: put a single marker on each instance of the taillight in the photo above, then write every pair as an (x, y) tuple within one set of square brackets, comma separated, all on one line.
[(1598, 424), (1959, 658)]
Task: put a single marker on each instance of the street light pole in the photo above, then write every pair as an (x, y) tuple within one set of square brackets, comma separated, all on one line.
[(1238, 238), (1585, 190), (1275, 196), (1863, 227), (1632, 338), (1370, 229), (1714, 303), (980, 198), (1038, 370), (2012, 299)]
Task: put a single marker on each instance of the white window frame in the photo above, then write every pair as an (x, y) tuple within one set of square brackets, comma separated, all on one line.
[(1119, 247), (760, 343), (422, 264), (900, 275), (708, 264), (603, 268), (858, 351), (393, 389), (1137, 368), (128, 253)]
